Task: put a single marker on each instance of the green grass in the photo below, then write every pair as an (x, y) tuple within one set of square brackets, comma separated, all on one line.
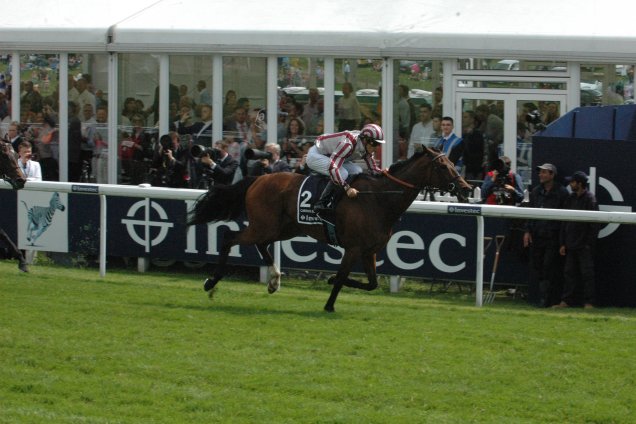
[(151, 348)]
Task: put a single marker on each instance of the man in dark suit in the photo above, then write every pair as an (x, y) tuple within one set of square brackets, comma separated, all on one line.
[(219, 169), (168, 167), (200, 131), (13, 135)]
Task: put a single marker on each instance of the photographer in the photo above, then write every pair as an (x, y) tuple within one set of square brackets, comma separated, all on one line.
[(501, 186), (216, 166), (267, 162), (168, 168)]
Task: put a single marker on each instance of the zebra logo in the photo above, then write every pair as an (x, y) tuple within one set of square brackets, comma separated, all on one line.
[(40, 217)]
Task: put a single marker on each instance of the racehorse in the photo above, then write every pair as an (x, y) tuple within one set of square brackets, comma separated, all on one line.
[(363, 224), (11, 172)]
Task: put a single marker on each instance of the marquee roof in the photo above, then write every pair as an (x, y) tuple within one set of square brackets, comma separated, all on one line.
[(560, 29)]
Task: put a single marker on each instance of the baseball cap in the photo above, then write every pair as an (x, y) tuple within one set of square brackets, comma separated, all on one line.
[(578, 176), (549, 167)]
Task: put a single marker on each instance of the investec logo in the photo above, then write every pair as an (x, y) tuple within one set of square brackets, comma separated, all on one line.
[(139, 218), (615, 195)]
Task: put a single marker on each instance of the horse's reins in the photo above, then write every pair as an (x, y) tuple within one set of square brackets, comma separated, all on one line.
[(407, 184)]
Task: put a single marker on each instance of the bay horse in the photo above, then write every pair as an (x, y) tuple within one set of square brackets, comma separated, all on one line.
[(11, 173), (363, 224)]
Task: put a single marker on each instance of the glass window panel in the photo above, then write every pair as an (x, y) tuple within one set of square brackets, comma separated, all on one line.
[(487, 121), (511, 65), (532, 116), (245, 88), (5, 94), (88, 117), (138, 92), (301, 106), (190, 116), (607, 84), (418, 107), (39, 109)]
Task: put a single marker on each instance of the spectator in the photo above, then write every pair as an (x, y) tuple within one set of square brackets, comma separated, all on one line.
[(218, 168), (404, 118), (542, 237), (201, 131), (168, 167), (13, 136), (273, 165), (348, 109), (84, 96), (301, 165), (88, 138), (202, 95), (32, 97), (229, 106), (578, 240), (438, 102), (291, 143), (501, 185), (30, 168), (100, 149), (422, 132), (473, 147), (451, 145), (75, 140), (134, 150), (312, 112), (129, 109), (48, 149)]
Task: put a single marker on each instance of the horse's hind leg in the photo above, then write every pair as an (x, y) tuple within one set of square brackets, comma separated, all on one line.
[(274, 280), (22, 265)]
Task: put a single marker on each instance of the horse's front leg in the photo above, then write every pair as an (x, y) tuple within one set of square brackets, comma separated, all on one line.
[(341, 278), (274, 280), (368, 261)]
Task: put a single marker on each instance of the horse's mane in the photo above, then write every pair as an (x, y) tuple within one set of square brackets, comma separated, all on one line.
[(404, 163)]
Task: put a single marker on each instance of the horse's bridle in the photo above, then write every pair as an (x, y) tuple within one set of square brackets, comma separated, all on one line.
[(451, 186)]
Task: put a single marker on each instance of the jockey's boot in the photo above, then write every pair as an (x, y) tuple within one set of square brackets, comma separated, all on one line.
[(322, 203)]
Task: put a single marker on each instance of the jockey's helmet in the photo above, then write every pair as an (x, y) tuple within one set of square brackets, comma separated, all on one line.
[(372, 133)]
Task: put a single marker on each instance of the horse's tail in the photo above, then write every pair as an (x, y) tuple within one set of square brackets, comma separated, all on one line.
[(220, 203)]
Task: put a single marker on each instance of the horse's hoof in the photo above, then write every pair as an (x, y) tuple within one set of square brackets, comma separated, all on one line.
[(273, 286), (22, 266), (208, 285), (330, 308)]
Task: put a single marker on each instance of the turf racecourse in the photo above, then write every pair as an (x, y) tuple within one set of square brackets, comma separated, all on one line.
[(151, 348)]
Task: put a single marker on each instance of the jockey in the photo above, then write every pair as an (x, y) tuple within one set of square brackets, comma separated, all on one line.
[(333, 155)]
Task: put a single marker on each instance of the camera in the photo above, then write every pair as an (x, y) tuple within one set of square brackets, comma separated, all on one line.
[(199, 150), (502, 171), (254, 154), (534, 118), (502, 196)]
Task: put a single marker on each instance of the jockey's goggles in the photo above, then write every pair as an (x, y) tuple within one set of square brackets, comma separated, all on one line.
[(372, 141)]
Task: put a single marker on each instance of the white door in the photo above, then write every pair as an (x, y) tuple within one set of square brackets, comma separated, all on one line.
[(508, 121)]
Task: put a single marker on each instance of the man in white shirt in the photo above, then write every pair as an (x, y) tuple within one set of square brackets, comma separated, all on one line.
[(30, 168), (422, 132)]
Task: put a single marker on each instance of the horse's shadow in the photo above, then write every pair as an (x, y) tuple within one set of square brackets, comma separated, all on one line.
[(243, 310)]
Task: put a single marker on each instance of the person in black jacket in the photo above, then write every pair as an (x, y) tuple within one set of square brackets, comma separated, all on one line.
[(217, 168), (578, 240), (168, 167), (542, 237)]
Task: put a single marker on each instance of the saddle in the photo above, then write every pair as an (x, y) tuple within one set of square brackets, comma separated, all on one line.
[(308, 194)]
